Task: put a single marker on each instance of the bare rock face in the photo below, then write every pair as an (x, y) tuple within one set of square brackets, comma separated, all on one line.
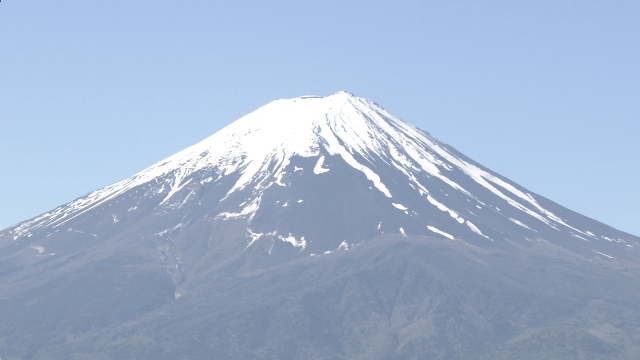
[(317, 228)]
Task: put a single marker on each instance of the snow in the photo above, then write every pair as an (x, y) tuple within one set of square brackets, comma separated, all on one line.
[(163, 232), (279, 179), (476, 230), (435, 230), (256, 236), (80, 232), (248, 210), (399, 206), (518, 222), (271, 248), (580, 237), (436, 203), (292, 240), (442, 207), (40, 249), (186, 198), (177, 184), (318, 169), (605, 255)]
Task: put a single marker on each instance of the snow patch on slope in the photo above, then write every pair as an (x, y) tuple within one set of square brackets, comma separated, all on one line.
[(292, 240), (442, 207), (39, 249), (318, 169), (256, 236), (476, 230), (520, 223), (437, 231), (248, 210), (399, 206)]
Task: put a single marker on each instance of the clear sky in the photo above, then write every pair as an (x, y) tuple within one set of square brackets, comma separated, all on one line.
[(546, 93)]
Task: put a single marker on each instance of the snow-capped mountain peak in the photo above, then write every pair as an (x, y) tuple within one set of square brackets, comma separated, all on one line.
[(420, 185)]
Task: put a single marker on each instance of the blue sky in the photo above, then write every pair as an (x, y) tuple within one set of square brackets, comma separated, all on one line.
[(546, 93)]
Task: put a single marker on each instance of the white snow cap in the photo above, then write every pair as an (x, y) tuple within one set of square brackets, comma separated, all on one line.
[(341, 124)]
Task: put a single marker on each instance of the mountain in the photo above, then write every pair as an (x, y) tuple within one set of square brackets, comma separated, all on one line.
[(317, 228)]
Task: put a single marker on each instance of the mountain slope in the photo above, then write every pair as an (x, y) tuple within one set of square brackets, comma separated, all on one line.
[(298, 201)]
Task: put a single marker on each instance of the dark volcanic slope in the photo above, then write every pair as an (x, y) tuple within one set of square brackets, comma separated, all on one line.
[(317, 228)]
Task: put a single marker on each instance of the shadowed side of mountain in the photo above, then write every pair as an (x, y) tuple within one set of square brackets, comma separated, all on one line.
[(391, 298)]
